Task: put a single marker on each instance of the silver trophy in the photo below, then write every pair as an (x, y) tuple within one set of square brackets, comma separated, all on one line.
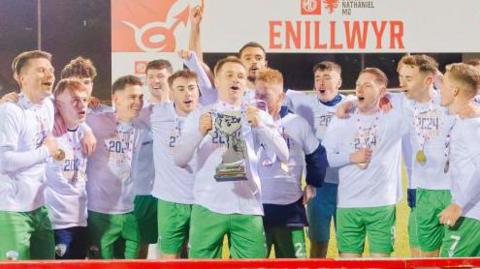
[(228, 125)]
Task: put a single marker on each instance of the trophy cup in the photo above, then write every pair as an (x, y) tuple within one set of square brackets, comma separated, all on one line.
[(228, 124)]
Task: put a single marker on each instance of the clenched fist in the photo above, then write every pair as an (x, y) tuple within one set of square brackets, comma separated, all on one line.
[(361, 156), (253, 116), (205, 123)]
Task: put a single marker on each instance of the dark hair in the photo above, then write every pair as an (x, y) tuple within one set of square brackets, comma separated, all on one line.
[(187, 74), (327, 66), (122, 82), (251, 45), (22, 59), (159, 64), (79, 67)]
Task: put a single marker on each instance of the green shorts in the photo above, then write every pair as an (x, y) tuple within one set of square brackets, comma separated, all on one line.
[(26, 235), (289, 242), (413, 229), (462, 240), (173, 226), (245, 233), (146, 212), (107, 231), (377, 223), (429, 204)]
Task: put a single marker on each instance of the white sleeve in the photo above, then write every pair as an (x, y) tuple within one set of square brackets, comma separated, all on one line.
[(188, 140), (310, 141), (291, 99), (208, 92), (268, 134), (332, 141), (11, 160), (471, 192), (143, 118)]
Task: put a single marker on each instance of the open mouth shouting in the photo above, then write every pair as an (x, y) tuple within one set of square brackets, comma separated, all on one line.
[(47, 83)]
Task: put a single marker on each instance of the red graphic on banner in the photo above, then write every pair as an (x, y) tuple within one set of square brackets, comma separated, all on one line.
[(331, 5), (311, 7), (146, 25)]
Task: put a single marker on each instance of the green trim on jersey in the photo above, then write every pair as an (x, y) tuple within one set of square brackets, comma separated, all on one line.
[(245, 233), (376, 223), (26, 235), (173, 226)]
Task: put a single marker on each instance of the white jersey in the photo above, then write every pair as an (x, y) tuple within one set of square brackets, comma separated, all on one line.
[(143, 166), (110, 183), (281, 181), (144, 172), (66, 194), (429, 127), (380, 183), (172, 183), (318, 116), (23, 156), (464, 166), (227, 197)]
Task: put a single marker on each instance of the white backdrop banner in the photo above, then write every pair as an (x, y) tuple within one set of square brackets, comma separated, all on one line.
[(161, 27)]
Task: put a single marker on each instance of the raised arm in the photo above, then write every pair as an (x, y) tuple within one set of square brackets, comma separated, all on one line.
[(266, 131)]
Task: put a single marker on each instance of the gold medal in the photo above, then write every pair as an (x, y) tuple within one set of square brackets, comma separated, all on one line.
[(59, 155), (421, 158)]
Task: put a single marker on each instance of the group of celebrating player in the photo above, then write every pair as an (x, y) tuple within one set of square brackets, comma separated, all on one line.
[(212, 157)]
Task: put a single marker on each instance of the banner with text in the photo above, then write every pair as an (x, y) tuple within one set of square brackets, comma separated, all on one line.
[(150, 29)]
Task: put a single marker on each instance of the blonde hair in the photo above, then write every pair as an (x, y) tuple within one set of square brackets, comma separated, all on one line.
[(70, 84), (465, 76), (380, 76), (230, 59)]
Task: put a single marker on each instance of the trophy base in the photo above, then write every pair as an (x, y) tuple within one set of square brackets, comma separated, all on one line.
[(219, 178)]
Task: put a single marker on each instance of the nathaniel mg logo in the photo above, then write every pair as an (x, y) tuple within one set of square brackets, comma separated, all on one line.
[(314, 7)]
